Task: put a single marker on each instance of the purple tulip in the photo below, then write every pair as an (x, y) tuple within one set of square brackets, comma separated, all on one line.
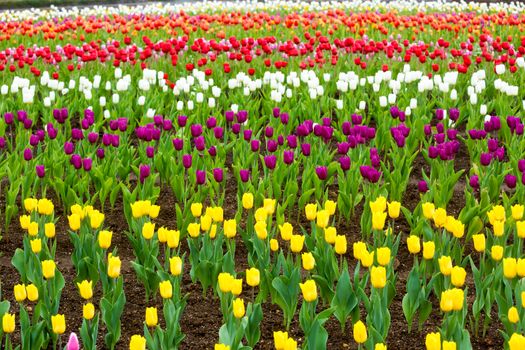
[(322, 172), (427, 129), (255, 145), (28, 154), (196, 130), (500, 154), (34, 140), (495, 122), (439, 138), (492, 145), (167, 125), (236, 128), (280, 140), (276, 112), (178, 144), (292, 141), (77, 134), (28, 123), (343, 147), (218, 174), (150, 151), (76, 161), (84, 123), (271, 145), (440, 114), (187, 160), (394, 112), (453, 114), (200, 176), (8, 118), (520, 129), (247, 134), (51, 131), (218, 132), (92, 137), (305, 149), (326, 121), (87, 164), (485, 159), (69, 147), (199, 143), (244, 174), (100, 153), (21, 116), (356, 119), (40, 171), (521, 165), (2, 143), (212, 151), (242, 116), (158, 120), (452, 134), (144, 172), (288, 157), (270, 161), (285, 118), (211, 122), (474, 181), (344, 162), (230, 116), (182, 120), (73, 343), (268, 132), (433, 152), (113, 125), (510, 180), (422, 186), (302, 130)]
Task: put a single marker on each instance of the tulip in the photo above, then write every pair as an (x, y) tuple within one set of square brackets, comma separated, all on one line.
[(413, 244), (218, 174), (221, 347), (458, 275), (309, 290), (422, 186), (58, 324), (104, 239), (36, 245), (86, 289), (73, 343), (516, 342), (360, 334), (308, 261), (311, 211), (137, 342), (274, 245), (517, 211), (49, 230), (40, 171), (340, 245), (225, 282), (378, 220), (8, 323), (193, 229), (296, 243), (496, 252), (253, 277), (323, 217), (32, 292), (509, 267), (479, 242), (244, 175), (270, 161), (152, 318), (48, 268), (230, 228), (166, 289), (88, 311), (380, 346), (445, 265), (148, 229), (114, 265), (513, 315), (322, 172), (393, 209), (429, 249), (19, 290), (330, 233), (200, 177), (433, 341), (383, 256), (238, 308), (32, 229), (378, 276), (247, 201)]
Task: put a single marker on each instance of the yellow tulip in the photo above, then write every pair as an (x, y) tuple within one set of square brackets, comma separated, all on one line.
[(290, 344), (261, 215), (359, 248), (520, 229), (19, 290), (394, 209), (413, 244), (30, 204), (260, 229), (380, 346), (497, 213), (196, 209), (310, 211), (32, 292), (513, 315), (379, 205), (308, 261), (516, 342), (217, 214), (253, 277), (230, 228), (296, 243), (279, 340), (32, 228), (48, 268), (154, 211), (221, 347), (445, 265), (175, 265), (498, 228), (95, 219), (496, 252), (86, 289), (367, 259), (383, 256), (286, 231), (330, 206), (173, 238), (114, 265), (45, 206), (449, 345), (479, 242), (269, 205), (360, 334), (205, 222), (433, 341), (148, 229), (213, 231), (274, 245), (36, 245), (378, 276), (225, 282), (88, 311), (329, 234), (429, 249), (162, 234), (238, 308), (25, 220), (152, 318), (510, 267), (517, 211), (236, 286), (59, 323), (247, 201), (520, 267), (440, 217), (428, 210), (458, 275), (74, 222), (137, 342), (104, 239), (340, 244), (309, 290), (166, 289), (193, 229), (49, 230), (323, 218), (8, 323), (378, 220), (77, 209)]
